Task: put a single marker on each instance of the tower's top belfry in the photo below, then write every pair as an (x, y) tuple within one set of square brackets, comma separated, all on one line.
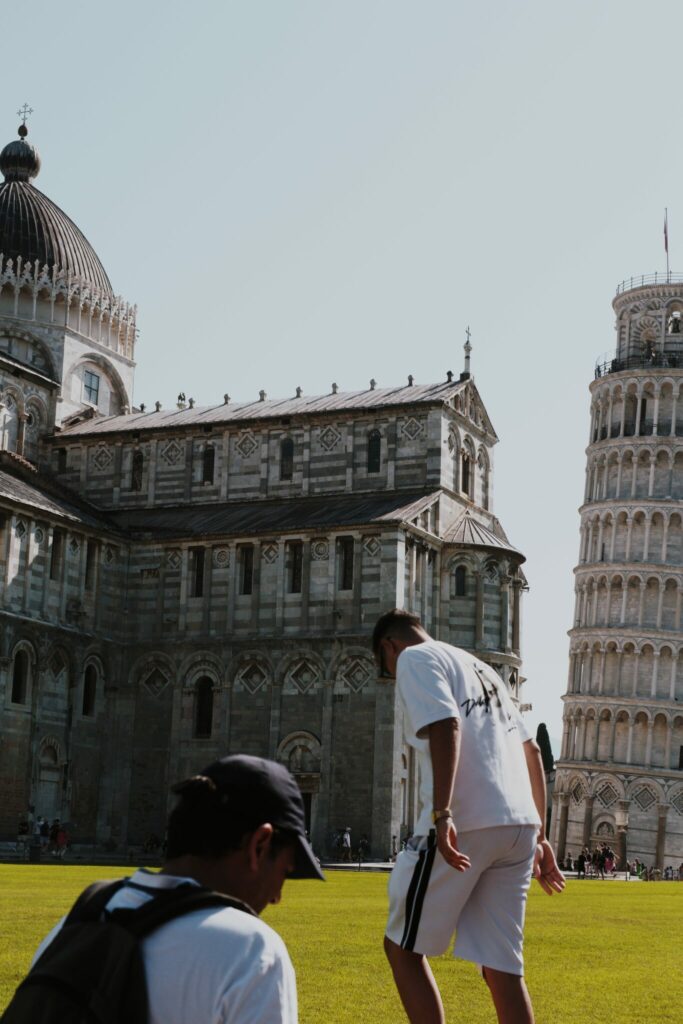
[(649, 324)]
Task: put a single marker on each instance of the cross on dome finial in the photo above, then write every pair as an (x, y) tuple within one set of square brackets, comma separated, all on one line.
[(23, 114)]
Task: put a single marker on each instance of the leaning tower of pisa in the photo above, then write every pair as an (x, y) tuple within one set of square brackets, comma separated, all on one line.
[(620, 774)]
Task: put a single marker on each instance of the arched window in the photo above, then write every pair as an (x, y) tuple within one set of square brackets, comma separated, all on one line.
[(208, 464), (461, 581), (374, 451), (136, 470), (89, 691), (286, 458), (203, 708), (465, 473), (20, 677)]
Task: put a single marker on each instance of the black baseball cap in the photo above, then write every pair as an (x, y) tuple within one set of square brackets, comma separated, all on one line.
[(259, 791)]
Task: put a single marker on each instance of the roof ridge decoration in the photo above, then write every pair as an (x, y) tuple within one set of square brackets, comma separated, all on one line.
[(404, 396)]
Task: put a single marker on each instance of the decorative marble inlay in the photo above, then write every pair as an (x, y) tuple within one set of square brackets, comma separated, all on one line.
[(677, 802), (74, 546), (108, 555), (329, 438), (372, 547), (102, 457), (38, 536), (303, 674), (21, 529), (577, 793), (173, 559), (320, 550), (251, 676), (246, 445), (411, 428), (607, 795), (172, 453), (269, 553), (57, 664), (355, 672), (221, 558), (155, 682), (645, 798)]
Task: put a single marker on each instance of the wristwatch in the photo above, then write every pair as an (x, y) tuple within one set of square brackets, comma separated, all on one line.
[(439, 815)]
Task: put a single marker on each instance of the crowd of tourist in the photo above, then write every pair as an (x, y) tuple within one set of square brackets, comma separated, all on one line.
[(602, 861)]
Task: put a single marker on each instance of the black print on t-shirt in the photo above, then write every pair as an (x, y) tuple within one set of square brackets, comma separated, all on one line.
[(484, 701)]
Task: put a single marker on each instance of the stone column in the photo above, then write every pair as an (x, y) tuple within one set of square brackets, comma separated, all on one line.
[(660, 603), (655, 416), (648, 745), (588, 821), (651, 477), (385, 795), (674, 400), (505, 613), (612, 738), (646, 545), (516, 614), (629, 742), (479, 618), (564, 818), (655, 670), (629, 535), (662, 812)]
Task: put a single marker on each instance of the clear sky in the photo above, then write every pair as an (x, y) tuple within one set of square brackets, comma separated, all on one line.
[(297, 192)]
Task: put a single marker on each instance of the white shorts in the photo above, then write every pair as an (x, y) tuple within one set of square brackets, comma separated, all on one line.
[(429, 900)]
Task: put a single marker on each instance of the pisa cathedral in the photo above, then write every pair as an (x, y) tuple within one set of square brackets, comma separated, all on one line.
[(620, 775), (178, 584)]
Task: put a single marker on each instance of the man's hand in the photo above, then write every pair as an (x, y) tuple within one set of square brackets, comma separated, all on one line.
[(546, 871), (447, 845)]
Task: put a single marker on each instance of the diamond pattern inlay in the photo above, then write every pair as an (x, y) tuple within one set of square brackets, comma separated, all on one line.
[(173, 559), (269, 553), (577, 793), (645, 798), (372, 547), (246, 445), (102, 457), (411, 428), (329, 438), (677, 802), (172, 453), (252, 677), (355, 673), (607, 795), (303, 674), (155, 682)]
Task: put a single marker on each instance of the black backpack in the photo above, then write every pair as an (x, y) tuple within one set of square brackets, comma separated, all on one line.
[(92, 972)]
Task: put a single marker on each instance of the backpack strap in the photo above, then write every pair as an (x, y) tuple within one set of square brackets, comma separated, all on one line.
[(172, 903), (91, 903)]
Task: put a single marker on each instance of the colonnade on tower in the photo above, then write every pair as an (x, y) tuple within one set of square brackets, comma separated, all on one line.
[(620, 773)]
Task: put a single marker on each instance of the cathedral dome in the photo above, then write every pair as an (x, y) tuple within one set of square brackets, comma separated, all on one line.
[(33, 227)]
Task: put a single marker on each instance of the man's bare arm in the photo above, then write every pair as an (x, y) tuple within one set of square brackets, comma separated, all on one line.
[(546, 871), (444, 748)]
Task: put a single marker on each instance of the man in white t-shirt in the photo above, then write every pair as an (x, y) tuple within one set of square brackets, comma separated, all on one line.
[(238, 829), (480, 831)]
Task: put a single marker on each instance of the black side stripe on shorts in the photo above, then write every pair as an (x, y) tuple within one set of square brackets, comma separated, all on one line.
[(416, 894)]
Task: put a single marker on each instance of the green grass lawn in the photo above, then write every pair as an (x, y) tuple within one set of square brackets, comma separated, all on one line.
[(601, 952)]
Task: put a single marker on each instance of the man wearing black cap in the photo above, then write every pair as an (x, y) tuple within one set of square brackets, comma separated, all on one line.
[(239, 829)]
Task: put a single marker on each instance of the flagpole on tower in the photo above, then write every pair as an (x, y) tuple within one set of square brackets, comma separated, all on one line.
[(666, 239)]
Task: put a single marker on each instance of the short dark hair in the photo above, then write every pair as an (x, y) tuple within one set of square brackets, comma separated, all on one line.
[(201, 825), (398, 622)]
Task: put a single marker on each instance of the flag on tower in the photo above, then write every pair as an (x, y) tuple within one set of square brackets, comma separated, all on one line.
[(666, 231)]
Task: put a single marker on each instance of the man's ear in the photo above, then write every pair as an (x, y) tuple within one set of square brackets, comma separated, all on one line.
[(258, 845)]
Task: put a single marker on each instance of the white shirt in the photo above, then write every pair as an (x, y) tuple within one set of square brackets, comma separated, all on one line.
[(492, 787), (216, 966)]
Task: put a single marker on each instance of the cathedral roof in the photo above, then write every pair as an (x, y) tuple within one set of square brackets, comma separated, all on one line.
[(23, 486), (239, 518), (34, 229), (372, 398), (469, 532)]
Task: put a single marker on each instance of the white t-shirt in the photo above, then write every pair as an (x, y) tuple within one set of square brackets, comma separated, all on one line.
[(216, 966), (492, 786)]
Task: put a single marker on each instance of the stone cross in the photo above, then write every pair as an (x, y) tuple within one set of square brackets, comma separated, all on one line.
[(24, 112)]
